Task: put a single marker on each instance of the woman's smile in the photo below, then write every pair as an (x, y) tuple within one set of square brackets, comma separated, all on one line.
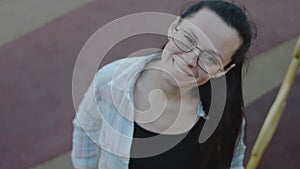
[(181, 67), (180, 70)]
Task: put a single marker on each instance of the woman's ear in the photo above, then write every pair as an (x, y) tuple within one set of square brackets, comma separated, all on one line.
[(172, 26), (229, 68), (224, 72)]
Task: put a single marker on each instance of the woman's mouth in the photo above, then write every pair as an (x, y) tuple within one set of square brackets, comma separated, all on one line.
[(181, 70)]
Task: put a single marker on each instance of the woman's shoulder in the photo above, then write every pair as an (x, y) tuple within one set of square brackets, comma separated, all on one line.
[(117, 67), (106, 73)]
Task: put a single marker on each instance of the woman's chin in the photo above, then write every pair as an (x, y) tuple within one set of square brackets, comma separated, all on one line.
[(189, 83)]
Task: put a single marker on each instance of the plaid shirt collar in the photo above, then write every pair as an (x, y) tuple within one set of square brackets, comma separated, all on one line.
[(124, 80)]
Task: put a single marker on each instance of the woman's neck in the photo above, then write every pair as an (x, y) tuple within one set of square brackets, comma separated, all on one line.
[(152, 78)]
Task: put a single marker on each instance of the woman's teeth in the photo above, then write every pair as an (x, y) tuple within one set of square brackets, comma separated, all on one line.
[(180, 70)]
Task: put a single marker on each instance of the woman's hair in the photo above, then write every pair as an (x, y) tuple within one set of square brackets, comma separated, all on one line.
[(217, 152)]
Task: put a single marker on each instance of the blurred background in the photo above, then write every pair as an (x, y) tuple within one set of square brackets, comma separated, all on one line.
[(40, 41)]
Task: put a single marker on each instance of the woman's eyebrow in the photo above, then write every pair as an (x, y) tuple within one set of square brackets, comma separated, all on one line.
[(190, 31), (193, 34)]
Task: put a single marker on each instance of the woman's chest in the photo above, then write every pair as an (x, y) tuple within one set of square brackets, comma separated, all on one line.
[(161, 116)]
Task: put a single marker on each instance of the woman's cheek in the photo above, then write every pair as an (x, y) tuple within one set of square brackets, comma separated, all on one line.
[(168, 51), (171, 47), (202, 77)]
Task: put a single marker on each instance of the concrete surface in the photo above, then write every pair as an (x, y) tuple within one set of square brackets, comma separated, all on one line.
[(22, 16)]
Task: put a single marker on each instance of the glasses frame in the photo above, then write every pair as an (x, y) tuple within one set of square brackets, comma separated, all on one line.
[(221, 69)]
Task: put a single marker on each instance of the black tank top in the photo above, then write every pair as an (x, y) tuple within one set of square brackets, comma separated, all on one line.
[(184, 155)]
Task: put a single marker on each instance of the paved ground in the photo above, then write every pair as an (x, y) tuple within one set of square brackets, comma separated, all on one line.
[(41, 40)]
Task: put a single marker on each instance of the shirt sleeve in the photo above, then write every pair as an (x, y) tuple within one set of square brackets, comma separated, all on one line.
[(87, 123), (239, 152)]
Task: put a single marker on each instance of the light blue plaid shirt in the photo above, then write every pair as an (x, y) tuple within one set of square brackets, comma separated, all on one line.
[(100, 125)]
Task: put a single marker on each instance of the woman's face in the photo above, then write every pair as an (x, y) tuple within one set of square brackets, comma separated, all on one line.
[(210, 32)]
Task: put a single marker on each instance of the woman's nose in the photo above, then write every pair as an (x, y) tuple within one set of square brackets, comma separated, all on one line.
[(190, 59)]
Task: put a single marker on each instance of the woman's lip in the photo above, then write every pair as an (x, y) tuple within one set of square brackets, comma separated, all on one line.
[(180, 70), (188, 71)]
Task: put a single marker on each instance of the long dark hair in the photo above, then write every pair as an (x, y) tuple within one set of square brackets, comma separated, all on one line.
[(218, 150)]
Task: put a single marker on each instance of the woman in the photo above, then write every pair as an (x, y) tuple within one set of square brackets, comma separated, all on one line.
[(207, 42)]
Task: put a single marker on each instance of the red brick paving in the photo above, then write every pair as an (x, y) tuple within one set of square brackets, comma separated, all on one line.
[(283, 151), (36, 72)]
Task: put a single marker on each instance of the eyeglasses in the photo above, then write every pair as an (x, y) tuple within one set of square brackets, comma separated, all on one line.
[(206, 60)]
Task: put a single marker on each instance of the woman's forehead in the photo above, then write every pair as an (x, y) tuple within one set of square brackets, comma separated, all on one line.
[(210, 28)]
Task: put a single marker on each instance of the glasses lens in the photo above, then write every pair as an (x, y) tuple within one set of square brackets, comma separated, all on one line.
[(208, 62), (184, 41)]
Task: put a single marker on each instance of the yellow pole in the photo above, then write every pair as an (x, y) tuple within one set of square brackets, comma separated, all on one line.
[(271, 122)]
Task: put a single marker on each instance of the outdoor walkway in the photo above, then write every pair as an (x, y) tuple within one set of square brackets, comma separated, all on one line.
[(40, 41)]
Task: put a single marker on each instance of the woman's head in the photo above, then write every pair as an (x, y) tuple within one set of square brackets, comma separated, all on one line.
[(218, 29), (232, 15)]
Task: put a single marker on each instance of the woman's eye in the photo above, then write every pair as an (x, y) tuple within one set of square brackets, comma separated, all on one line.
[(189, 39), (210, 59)]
